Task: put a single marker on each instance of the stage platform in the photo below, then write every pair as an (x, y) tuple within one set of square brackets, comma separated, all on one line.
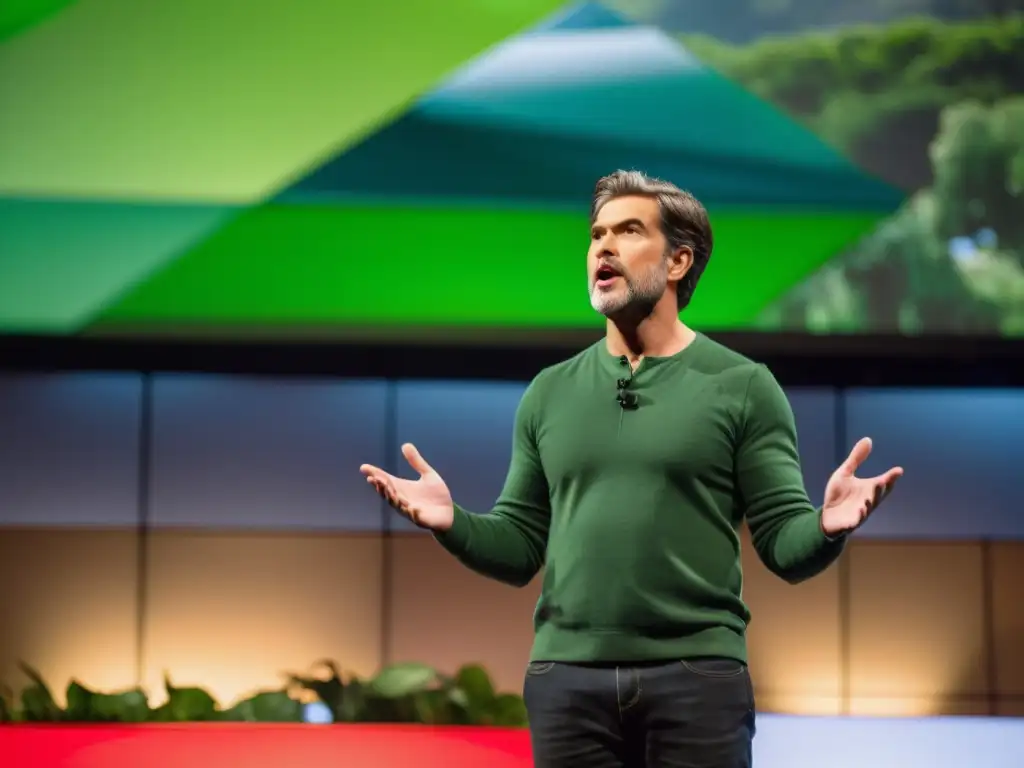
[(782, 742)]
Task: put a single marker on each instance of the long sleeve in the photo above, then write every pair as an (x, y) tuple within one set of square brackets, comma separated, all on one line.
[(784, 525), (509, 542)]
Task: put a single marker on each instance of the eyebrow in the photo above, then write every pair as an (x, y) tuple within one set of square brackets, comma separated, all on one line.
[(620, 225)]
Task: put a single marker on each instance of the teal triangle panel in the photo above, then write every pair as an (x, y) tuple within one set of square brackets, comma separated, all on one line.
[(538, 119), (583, 16)]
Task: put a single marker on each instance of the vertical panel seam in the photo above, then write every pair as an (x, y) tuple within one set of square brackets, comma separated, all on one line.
[(988, 627), (145, 448), (387, 541), (844, 576)]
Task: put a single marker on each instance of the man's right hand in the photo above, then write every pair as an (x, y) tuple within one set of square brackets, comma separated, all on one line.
[(426, 501)]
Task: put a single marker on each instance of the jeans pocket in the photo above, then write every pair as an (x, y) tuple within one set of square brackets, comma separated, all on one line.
[(715, 667), (537, 668)]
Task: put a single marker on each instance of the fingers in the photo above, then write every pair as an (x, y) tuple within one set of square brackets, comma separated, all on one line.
[(416, 461), (381, 481), (888, 485), (371, 471), (885, 482), (876, 498), (378, 478), (890, 477), (857, 456), (382, 484), (385, 486), (881, 487)]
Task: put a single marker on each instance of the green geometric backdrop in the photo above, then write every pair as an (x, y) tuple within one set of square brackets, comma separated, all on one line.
[(316, 166)]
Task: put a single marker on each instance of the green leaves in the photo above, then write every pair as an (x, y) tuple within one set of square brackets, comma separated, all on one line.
[(86, 706), (484, 705), (934, 108), (186, 705), (37, 704), (400, 693), (266, 707), (416, 693), (978, 156), (343, 704), (475, 681), (868, 89), (6, 705), (402, 680)]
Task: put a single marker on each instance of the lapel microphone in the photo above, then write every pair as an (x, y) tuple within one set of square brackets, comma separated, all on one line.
[(626, 399)]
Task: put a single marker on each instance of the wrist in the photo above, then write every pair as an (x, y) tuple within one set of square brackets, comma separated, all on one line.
[(445, 525), (454, 529), (833, 536)]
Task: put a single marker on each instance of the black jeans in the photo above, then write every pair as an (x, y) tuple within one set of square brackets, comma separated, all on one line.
[(697, 713)]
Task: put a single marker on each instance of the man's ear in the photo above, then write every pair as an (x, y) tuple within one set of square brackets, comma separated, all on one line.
[(679, 262)]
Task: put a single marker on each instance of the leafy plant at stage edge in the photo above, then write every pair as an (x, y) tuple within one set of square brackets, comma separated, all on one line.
[(400, 693)]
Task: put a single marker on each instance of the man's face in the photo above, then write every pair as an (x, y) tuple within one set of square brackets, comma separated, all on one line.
[(627, 265)]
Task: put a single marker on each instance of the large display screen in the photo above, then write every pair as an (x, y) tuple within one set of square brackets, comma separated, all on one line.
[(316, 168)]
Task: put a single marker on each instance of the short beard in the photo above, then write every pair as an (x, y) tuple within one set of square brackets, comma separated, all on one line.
[(642, 293)]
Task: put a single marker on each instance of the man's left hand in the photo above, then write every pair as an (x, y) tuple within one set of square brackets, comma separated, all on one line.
[(850, 499)]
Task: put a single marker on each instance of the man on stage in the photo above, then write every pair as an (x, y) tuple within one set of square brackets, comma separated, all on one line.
[(633, 465)]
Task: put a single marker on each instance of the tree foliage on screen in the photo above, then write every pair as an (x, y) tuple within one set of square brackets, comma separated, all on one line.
[(741, 21), (937, 109)]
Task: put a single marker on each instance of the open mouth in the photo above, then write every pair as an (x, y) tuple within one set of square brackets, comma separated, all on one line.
[(605, 275)]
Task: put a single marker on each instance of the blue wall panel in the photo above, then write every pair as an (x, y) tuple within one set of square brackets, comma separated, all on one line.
[(69, 449), (464, 430), (280, 453), (265, 453), (815, 413), (961, 450)]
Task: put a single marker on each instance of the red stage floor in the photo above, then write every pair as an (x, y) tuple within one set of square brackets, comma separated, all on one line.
[(261, 746)]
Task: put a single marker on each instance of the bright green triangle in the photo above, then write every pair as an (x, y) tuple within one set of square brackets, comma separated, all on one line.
[(304, 266), (220, 101)]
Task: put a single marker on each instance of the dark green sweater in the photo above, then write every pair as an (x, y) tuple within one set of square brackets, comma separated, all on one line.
[(633, 513)]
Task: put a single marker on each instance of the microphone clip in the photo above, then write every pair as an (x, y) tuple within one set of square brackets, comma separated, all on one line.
[(627, 400)]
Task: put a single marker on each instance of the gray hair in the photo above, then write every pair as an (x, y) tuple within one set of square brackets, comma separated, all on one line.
[(684, 222)]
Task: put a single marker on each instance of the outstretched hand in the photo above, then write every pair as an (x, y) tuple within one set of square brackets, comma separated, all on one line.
[(426, 501), (849, 499)]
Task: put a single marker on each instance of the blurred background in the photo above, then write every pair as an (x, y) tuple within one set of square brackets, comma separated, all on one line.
[(246, 247), (217, 527)]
